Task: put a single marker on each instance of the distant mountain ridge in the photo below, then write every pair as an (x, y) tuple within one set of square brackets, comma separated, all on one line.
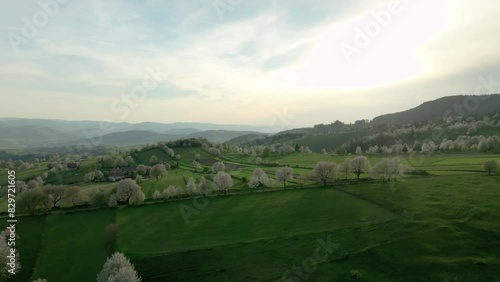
[(30, 133), (71, 126), (450, 106)]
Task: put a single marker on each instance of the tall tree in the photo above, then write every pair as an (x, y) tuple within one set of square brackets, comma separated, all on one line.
[(112, 202), (203, 186), (137, 197), (223, 181), (153, 160), (118, 268), (325, 172), (345, 167), (32, 201), (156, 195), (360, 165), (55, 193), (219, 166), (284, 175), (490, 167), (191, 186), (158, 171), (126, 189)]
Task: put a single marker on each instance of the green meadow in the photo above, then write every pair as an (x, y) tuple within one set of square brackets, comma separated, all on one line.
[(441, 227)]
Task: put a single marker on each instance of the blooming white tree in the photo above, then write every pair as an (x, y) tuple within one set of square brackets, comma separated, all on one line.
[(170, 152), (198, 167), (219, 166), (359, 151), (40, 181), (73, 193), (203, 186), (396, 168), (389, 168), (482, 146), (56, 193), (120, 162), (360, 165), (169, 193), (254, 182), (129, 161), (126, 189), (397, 148), (284, 175), (138, 179), (153, 160), (173, 192), (259, 179), (345, 167), (158, 171), (32, 201), (191, 186), (4, 253), (119, 269), (325, 172), (258, 160), (21, 186), (223, 181), (89, 177), (142, 169), (382, 169), (98, 176), (32, 184), (156, 195), (286, 149), (112, 202), (137, 197)]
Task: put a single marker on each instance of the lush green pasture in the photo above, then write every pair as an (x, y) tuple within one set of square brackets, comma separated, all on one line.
[(73, 246), (22, 175), (144, 156), (442, 164), (151, 184), (266, 259), (29, 231), (452, 232), (238, 219), (445, 226)]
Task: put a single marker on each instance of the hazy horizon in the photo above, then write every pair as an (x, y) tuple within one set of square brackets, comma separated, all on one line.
[(277, 116), (242, 63)]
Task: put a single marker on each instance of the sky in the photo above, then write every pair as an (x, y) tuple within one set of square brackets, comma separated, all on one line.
[(255, 62)]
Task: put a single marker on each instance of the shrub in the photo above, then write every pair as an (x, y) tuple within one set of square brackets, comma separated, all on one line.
[(421, 172)]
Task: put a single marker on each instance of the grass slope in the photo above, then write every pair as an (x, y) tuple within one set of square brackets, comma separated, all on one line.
[(29, 231), (73, 246)]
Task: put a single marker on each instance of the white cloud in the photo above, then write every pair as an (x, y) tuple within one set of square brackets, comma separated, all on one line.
[(243, 69)]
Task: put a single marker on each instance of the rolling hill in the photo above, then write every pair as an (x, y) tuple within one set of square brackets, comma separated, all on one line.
[(137, 137), (30, 133), (444, 107)]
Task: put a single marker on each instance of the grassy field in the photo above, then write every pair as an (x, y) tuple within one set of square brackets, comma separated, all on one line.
[(29, 231), (441, 227), (278, 215), (73, 246)]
